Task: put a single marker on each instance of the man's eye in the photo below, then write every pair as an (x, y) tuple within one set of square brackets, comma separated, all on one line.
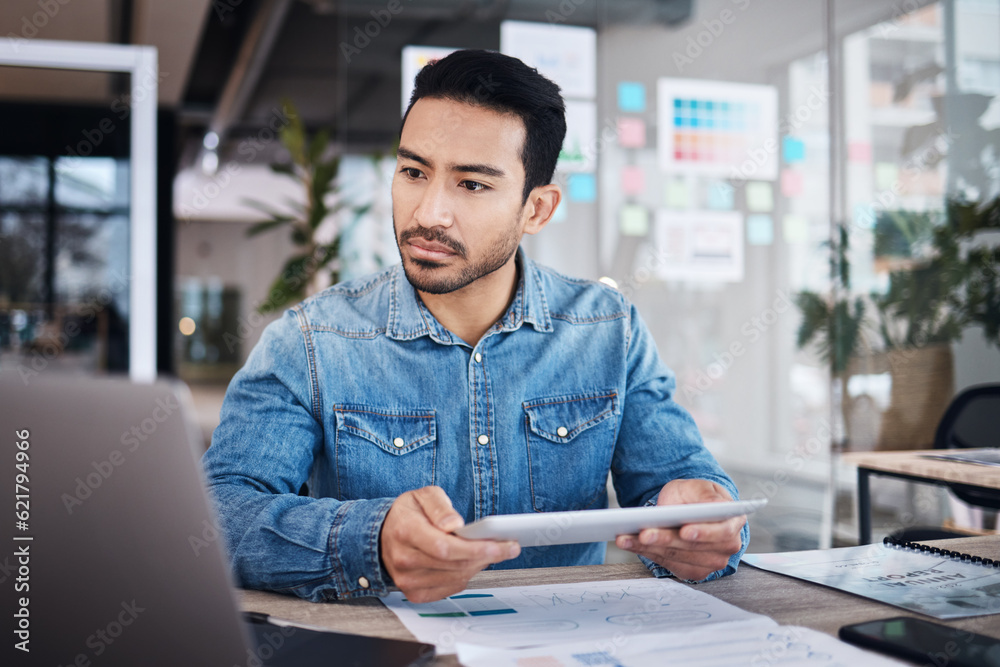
[(410, 172), (473, 186)]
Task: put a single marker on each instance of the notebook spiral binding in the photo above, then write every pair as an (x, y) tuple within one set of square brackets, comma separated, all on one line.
[(890, 541)]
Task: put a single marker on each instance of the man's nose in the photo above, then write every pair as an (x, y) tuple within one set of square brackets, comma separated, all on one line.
[(434, 209)]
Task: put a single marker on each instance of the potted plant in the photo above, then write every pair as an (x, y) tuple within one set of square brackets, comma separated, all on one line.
[(942, 280), (313, 223)]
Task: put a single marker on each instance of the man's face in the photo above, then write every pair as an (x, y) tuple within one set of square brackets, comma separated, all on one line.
[(457, 194)]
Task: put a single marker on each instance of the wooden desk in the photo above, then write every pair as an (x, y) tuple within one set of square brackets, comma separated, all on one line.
[(914, 467), (787, 600)]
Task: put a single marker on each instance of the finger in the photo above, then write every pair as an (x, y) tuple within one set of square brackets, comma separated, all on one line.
[(441, 551), (438, 509), (686, 564)]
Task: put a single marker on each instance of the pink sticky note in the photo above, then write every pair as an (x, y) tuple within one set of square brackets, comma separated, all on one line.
[(859, 151), (631, 132), (792, 183), (633, 180)]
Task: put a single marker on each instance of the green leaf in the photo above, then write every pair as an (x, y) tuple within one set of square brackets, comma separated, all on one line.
[(261, 227)]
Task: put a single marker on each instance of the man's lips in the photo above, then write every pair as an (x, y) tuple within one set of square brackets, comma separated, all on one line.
[(424, 249)]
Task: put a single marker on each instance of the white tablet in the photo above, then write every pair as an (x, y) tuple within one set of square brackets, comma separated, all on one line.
[(548, 528)]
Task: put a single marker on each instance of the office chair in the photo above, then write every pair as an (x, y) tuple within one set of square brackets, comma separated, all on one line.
[(972, 420)]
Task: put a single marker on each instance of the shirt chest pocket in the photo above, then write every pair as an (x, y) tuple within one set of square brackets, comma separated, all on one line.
[(570, 441), (382, 453)]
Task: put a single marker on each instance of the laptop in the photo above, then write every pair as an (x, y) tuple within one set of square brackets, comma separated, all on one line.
[(110, 554)]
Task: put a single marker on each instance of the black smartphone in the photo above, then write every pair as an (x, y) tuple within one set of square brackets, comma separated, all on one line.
[(925, 642)]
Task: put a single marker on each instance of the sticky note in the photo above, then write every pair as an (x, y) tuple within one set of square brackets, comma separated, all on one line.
[(582, 187), (793, 149), (760, 229), (633, 220), (886, 175), (760, 197), (792, 183), (631, 132), (720, 196), (859, 151), (864, 216), (633, 180), (631, 96), (560, 213), (677, 194), (796, 228)]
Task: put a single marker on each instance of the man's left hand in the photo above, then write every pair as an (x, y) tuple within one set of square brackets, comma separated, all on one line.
[(695, 550)]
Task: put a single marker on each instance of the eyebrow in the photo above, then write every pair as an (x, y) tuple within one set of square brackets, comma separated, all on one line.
[(485, 169)]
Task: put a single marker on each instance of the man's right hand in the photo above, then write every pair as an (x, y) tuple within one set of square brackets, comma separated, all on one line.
[(421, 555)]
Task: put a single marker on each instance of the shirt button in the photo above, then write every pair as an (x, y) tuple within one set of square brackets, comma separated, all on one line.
[(484, 440), (479, 357), (363, 582), (562, 431), (399, 442)]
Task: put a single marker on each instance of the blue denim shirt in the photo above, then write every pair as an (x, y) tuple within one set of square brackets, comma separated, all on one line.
[(362, 393)]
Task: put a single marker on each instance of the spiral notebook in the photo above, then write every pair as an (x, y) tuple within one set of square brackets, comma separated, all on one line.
[(926, 580)]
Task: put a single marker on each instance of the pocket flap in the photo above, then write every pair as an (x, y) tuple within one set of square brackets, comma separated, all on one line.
[(395, 431), (562, 418)]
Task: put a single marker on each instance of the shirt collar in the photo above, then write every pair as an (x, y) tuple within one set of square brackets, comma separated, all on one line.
[(409, 318)]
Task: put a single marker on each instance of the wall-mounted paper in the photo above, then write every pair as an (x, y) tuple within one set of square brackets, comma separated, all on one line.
[(582, 188), (633, 220), (579, 148), (796, 228), (677, 194), (714, 128), (760, 197), (793, 149), (631, 96), (760, 229), (720, 196), (859, 151), (631, 132), (700, 246), (792, 183), (633, 180), (886, 175), (414, 58), (565, 54)]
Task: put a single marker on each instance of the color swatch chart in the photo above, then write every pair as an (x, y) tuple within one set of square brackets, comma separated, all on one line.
[(718, 129)]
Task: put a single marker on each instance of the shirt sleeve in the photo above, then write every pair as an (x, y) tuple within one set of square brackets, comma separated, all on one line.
[(270, 433), (658, 440)]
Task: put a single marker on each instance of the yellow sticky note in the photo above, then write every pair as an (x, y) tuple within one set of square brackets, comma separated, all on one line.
[(633, 220), (796, 228), (760, 197), (886, 175), (677, 194)]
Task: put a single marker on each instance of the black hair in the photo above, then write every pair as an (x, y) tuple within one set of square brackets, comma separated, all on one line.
[(506, 85)]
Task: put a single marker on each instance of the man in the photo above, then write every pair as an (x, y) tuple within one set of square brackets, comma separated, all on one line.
[(468, 382)]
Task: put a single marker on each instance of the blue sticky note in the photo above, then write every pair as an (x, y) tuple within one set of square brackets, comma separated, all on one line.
[(864, 216), (720, 196), (760, 229), (582, 187), (631, 96), (793, 150)]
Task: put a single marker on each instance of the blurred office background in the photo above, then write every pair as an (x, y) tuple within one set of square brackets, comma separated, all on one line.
[(801, 197)]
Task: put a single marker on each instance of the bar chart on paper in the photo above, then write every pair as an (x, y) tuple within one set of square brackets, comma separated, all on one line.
[(534, 615)]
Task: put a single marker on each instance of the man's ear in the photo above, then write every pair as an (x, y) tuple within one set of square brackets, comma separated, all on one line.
[(541, 205)]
